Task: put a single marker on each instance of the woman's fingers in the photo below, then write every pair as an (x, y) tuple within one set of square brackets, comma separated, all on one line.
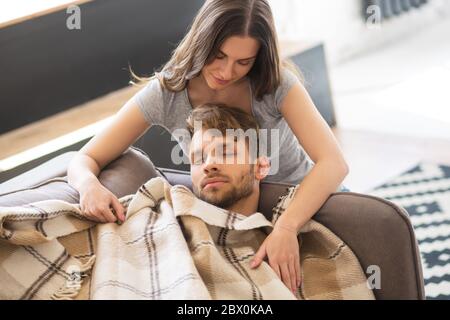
[(285, 275), (120, 211), (94, 217), (275, 268), (107, 214), (293, 275), (298, 271)]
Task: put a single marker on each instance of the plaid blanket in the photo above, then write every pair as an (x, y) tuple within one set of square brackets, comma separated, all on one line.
[(171, 246)]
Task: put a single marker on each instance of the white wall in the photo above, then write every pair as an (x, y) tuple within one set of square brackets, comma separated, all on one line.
[(11, 10), (339, 24)]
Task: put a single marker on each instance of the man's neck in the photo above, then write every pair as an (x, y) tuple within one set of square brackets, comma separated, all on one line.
[(246, 206)]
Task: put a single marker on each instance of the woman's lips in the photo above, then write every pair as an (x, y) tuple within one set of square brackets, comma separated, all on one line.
[(221, 82)]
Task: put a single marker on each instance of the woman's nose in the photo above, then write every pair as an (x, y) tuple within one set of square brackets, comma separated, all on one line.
[(227, 71)]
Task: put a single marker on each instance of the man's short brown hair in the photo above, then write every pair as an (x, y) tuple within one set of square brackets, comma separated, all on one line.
[(223, 117)]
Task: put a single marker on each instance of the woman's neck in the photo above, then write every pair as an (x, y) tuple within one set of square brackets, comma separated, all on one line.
[(200, 92)]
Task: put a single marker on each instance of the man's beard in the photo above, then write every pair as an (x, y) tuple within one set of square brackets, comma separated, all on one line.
[(241, 190)]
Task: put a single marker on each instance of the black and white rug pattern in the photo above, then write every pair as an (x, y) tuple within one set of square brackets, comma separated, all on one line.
[(424, 191)]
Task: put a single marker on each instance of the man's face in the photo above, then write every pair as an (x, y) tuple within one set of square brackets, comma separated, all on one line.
[(221, 171)]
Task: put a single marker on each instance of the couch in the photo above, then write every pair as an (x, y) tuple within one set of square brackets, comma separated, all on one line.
[(378, 231)]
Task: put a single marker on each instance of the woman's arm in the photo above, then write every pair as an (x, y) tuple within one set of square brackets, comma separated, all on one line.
[(313, 133), (318, 140), (127, 125)]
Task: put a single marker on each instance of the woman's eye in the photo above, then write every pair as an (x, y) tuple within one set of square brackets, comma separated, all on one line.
[(220, 57), (244, 63)]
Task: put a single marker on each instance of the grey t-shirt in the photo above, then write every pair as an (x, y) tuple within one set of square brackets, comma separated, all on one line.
[(289, 161)]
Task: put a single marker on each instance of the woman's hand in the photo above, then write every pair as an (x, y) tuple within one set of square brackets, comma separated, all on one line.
[(97, 202), (282, 249)]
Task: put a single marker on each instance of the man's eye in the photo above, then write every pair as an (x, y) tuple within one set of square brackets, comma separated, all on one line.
[(228, 155), (197, 159)]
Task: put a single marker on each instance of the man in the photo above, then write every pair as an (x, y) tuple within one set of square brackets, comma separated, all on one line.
[(226, 172)]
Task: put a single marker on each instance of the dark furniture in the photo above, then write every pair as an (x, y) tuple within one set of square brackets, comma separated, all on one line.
[(45, 68)]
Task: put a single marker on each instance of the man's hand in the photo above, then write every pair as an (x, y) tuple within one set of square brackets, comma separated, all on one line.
[(282, 249)]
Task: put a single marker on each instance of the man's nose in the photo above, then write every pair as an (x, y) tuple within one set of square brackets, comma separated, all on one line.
[(210, 164)]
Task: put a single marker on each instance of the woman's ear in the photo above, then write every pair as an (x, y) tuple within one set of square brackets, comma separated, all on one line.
[(262, 167)]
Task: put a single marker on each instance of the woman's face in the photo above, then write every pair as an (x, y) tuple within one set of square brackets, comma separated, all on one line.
[(234, 60)]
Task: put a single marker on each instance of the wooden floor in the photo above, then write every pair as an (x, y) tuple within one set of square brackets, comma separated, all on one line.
[(26, 137)]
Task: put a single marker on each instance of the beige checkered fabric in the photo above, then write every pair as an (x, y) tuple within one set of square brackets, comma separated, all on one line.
[(171, 246)]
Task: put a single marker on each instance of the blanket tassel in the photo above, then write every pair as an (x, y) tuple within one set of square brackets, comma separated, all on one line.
[(72, 288)]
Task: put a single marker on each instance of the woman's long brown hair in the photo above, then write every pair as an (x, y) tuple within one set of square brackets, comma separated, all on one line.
[(216, 21)]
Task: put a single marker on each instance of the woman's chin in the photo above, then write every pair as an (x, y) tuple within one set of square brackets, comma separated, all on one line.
[(214, 86)]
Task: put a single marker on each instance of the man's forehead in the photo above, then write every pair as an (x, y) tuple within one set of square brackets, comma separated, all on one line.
[(204, 138)]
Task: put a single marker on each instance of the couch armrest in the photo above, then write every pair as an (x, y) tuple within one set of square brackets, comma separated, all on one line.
[(122, 176), (380, 233), (56, 167)]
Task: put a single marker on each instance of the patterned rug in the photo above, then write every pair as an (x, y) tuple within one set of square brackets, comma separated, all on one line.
[(424, 191)]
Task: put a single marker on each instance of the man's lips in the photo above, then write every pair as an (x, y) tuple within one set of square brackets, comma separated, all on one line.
[(213, 182)]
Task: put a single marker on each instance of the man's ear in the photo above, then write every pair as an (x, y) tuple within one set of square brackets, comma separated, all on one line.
[(262, 167)]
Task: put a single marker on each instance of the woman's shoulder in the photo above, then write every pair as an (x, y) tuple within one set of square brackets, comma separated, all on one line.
[(155, 91), (156, 101), (287, 79), (151, 91), (154, 85)]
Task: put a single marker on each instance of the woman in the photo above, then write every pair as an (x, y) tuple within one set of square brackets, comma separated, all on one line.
[(230, 56)]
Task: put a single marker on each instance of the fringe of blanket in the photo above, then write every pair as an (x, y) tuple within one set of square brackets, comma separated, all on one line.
[(71, 289)]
